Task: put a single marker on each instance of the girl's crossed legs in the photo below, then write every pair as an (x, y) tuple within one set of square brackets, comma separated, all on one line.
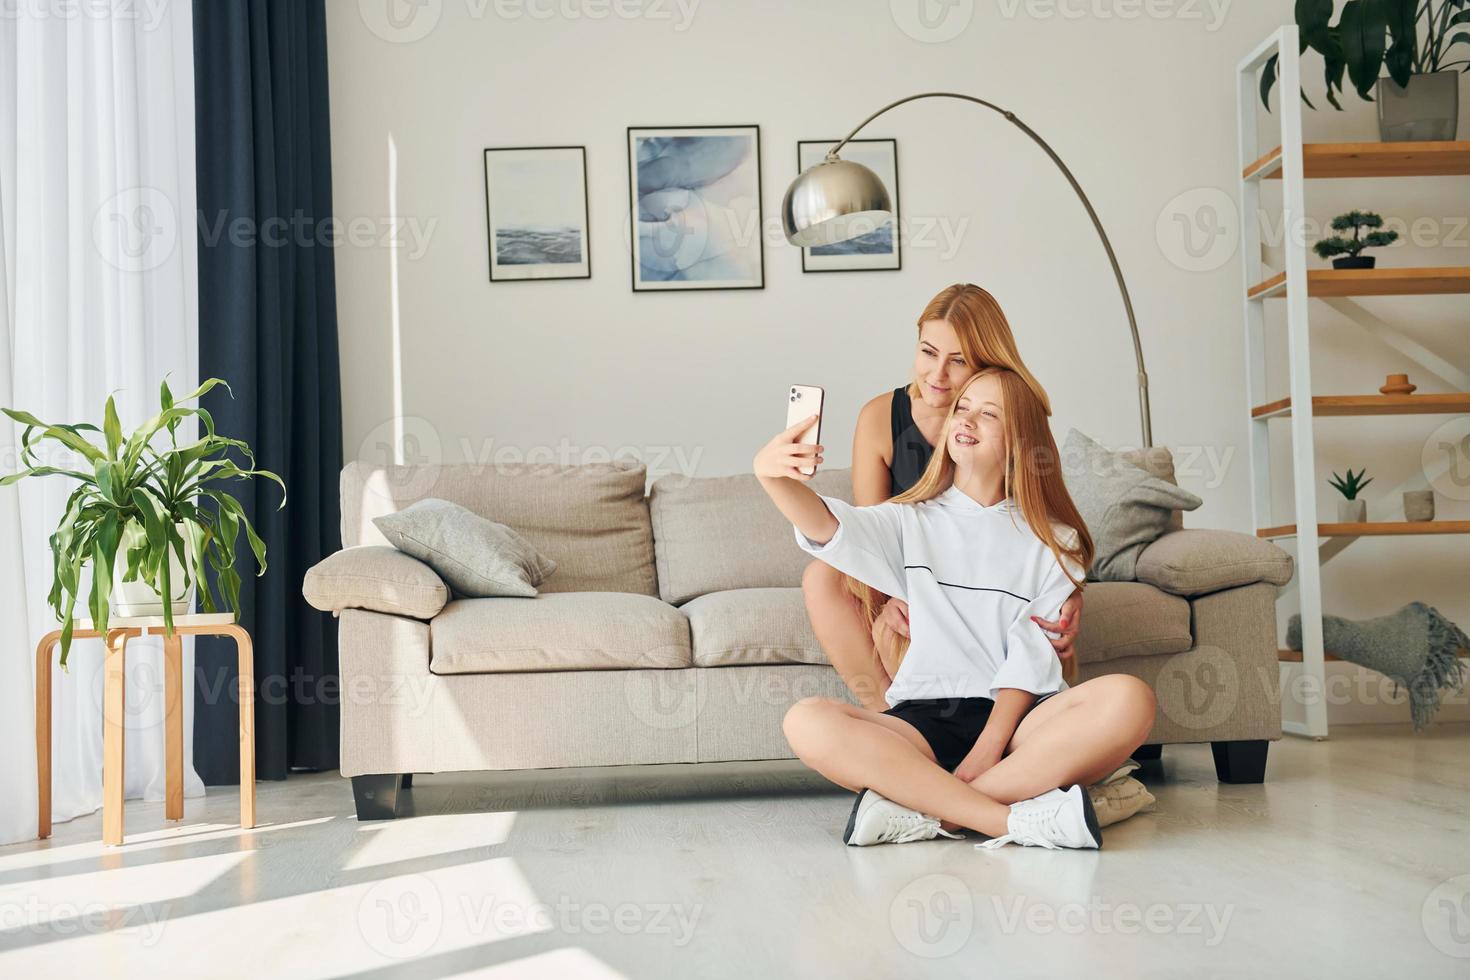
[(1078, 736)]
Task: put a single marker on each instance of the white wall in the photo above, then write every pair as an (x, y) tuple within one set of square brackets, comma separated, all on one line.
[(1140, 104)]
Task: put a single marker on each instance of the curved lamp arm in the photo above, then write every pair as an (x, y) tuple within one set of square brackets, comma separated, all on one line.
[(1143, 408)]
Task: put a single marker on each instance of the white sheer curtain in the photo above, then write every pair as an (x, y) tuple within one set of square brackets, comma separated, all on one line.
[(99, 287)]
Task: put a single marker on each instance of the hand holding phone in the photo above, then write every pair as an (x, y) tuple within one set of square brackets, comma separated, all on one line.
[(789, 454), (801, 403)]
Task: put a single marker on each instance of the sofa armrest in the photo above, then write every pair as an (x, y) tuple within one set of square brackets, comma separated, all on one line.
[(377, 578), (1197, 561)]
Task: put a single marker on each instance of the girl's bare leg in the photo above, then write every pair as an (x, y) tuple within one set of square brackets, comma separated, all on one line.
[(862, 749), (1078, 736), (838, 621)]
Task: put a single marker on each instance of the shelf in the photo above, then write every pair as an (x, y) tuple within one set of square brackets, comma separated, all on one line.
[(1295, 656), (1372, 282), (1371, 528), (1451, 403), (1331, 160)]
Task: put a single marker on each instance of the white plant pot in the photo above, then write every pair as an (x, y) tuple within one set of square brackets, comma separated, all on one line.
[(1352, 511), (138, 598)]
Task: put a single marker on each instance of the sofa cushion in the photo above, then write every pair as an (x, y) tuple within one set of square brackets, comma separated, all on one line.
[(476, 557), (375, 577), (1126, 508), (1121, 619), (1199, 561), (558, 631), (591, 520), (1157, 461), (718, 533), (751, 626)]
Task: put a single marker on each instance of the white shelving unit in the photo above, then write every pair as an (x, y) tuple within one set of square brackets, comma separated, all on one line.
[(1293, 163)]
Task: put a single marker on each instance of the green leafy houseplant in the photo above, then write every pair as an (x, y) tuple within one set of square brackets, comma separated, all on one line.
[(1346, 252), (1373, 34), (1351, 485), (135, 499)]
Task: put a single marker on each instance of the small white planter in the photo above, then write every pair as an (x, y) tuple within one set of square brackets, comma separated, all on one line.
[(138, 598), (1352, 511)]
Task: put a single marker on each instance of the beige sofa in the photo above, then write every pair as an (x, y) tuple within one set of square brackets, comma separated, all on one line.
[(674, 630)]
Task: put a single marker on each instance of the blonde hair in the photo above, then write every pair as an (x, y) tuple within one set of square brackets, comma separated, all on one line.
[(983, 331), (1033, 481)]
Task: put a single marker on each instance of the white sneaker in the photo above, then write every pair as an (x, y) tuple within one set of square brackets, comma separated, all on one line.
[(1056, 819), (877, 820)]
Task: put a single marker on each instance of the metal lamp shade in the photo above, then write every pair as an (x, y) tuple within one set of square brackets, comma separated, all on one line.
[(832, 202)]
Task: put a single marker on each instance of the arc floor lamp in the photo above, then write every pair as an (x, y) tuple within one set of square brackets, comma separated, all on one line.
[(838, 199)]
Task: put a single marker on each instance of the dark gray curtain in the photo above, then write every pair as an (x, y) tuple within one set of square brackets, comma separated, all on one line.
[(268, 326)]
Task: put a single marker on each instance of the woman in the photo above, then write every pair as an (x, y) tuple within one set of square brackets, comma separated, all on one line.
[(863, 632), (981, 731)]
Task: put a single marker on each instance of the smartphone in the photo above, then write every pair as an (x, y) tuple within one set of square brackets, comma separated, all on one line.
[(802, 401)]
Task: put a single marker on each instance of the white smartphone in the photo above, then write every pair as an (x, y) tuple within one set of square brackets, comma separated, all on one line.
[(802, 401)]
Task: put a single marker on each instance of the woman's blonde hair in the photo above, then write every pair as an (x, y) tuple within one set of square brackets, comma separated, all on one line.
[(1033, 480), (983, 331)]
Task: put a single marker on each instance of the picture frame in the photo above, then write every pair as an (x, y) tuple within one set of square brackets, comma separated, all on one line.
[(536, 213), (882, 249), (695, 217)]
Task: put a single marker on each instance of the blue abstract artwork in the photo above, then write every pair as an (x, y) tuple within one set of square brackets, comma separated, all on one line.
[(878, 248), (696, 211)]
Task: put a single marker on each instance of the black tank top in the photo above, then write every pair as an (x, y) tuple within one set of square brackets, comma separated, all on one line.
[(910, 450)]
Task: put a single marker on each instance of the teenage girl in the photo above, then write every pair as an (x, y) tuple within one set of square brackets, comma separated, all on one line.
[(980, 730), (862, 631)]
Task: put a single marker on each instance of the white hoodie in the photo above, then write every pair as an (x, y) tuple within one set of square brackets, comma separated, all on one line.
[(973, 577)]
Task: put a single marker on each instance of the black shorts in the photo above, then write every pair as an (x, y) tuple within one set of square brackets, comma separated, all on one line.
[(951, 726)]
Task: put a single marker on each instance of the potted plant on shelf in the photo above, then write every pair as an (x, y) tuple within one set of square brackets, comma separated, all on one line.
[(1414, 39), (1351, 509), (1346, 253), (144, 519)]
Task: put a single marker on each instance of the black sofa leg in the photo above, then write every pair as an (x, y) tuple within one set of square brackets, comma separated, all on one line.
[(408, 780), (376, 796), (1148, 753), (1240, 762)]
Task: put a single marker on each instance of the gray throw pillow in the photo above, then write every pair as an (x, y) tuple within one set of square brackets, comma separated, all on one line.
[(1125, 508), (474, 555)]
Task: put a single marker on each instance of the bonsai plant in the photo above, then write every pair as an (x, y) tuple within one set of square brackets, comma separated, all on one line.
[(144, 516), (1413, 39), (1346, 253), (1351, 510)]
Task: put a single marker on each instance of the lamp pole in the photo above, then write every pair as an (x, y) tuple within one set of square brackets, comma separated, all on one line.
[(1145, 420)]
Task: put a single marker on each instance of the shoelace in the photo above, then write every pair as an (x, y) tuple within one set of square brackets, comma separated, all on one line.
[(906, 827), (1046, 820)]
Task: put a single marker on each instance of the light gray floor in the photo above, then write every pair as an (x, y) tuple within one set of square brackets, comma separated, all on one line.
[(1352, 861)]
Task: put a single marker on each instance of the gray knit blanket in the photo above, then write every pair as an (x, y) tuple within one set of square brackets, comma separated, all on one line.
[(1416, 647)]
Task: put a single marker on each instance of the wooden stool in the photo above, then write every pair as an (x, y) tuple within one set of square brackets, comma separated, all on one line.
[(119, 631)]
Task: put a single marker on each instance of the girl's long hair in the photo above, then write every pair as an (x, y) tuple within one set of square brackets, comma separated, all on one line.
[(1033, 479)]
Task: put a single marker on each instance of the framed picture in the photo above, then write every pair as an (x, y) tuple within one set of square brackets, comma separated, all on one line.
[(536, 213), (877, 249), (695, 200)]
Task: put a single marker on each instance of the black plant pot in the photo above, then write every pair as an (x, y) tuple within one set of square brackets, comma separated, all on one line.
[(1354, 262)]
